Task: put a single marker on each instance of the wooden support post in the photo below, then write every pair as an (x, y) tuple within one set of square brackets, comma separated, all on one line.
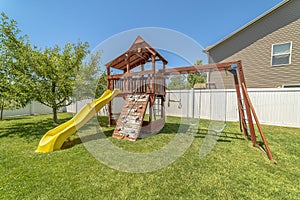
[(142, 68), (148, 83), (247, 106), (162, 108), (128, 82), (108, 74), (108, 84), (128, 62), (268, 151), (153, 75), (143, 88), (151, 108), (240, 106), (164, 81)]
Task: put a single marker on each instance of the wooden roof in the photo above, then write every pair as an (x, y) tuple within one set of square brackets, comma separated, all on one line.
[(139, 53)]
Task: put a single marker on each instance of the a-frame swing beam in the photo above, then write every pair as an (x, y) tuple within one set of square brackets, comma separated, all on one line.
[(243, 96), (200, 68), (245, 107)]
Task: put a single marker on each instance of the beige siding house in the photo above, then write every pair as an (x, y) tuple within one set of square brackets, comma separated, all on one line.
[(269, 47)]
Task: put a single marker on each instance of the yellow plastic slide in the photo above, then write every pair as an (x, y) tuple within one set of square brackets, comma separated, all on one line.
[(54, 139)]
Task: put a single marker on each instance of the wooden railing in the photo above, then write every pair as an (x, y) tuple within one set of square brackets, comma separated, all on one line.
[(140, 82)]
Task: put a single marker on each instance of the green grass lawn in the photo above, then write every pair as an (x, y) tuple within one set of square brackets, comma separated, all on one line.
[(233, 170)]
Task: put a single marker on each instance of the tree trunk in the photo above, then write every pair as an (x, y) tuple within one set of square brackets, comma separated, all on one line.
[(54, 108), (1, 115), (54, 111)]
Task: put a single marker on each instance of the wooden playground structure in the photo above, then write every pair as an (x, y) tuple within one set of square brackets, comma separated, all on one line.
[(146, 89)]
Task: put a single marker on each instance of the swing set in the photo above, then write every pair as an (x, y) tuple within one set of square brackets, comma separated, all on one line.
[(245, 107)]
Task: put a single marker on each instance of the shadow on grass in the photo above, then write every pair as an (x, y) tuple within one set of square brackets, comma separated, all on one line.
[(29, 127), (173, 128), (12, 119), (34, 127), (225, 136), (69, 143), (169, 128), (95, 135)]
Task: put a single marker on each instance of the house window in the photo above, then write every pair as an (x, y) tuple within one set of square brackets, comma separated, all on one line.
[(281, 54)]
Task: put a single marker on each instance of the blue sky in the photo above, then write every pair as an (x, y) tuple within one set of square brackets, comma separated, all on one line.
[(50, 22)]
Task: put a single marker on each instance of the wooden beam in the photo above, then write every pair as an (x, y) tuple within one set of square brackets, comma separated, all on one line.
[(134, 61), (118, 76), (151, 51), (142, 67), (268, 151), (116, 61), (127, 62), (121, 61), (200, 68), (153, 69), (247, 106), (243, 125)]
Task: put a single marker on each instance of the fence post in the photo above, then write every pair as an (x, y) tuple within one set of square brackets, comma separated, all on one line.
[(193, 103), (30, 108)]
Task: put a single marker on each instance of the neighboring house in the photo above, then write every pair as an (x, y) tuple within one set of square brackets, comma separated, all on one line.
[(269, 47)]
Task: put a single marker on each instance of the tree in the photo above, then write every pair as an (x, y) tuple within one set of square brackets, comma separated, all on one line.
[(47, 76), (178, 82), (199, 77), (87, 78), (12, 95), (101, 85), (54, 73), (14, 87), (90, 81)]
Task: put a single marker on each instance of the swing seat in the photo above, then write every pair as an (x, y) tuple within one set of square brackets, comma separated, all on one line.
[(220, 130)]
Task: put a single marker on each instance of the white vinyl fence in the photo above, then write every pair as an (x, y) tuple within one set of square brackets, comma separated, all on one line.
[(275, 106), (76, 106), (34, 108)]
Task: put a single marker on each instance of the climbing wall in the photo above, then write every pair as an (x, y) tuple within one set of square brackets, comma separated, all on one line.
[(131, 117)]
